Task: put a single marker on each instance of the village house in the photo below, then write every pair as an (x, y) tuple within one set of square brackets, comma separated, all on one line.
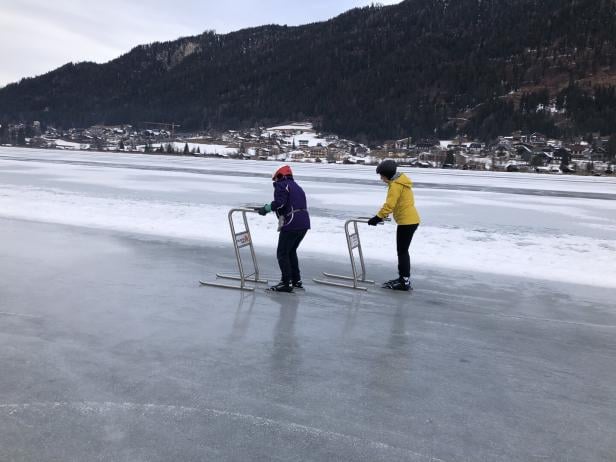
[(524, 152), (436, 157), (479, 163), (579, 151), (598, 154), (317, 152), (426, 145), (461, 159), (538, 139), (475, 148)]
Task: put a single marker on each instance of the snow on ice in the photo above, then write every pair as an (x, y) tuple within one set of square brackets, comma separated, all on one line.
[(538, 235)]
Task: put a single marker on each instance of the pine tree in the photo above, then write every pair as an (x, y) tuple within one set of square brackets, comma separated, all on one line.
[(21, 137), (4, 134), (536, 161), (565, 160), (611, 148), (99, 143)]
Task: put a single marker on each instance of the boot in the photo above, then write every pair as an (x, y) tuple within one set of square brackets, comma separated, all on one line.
[(387, 285), (401, 284), (281, 287), (298, 285)]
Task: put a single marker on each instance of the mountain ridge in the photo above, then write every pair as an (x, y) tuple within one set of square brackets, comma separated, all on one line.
[(373, 73)]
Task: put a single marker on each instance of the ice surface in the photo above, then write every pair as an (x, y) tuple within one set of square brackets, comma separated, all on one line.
[(567, 239)]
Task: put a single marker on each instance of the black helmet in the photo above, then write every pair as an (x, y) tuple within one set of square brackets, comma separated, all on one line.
[(387, 168)]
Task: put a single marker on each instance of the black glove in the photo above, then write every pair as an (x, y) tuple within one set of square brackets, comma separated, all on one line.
[(262, 211), (375, 220)]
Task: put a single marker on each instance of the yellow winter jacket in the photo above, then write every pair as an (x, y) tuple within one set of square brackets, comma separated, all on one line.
[(400, 201)]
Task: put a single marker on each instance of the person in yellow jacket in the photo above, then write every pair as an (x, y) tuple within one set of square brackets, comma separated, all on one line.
[(401, 201)]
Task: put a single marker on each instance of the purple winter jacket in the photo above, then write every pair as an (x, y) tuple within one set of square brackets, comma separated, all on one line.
[(290, 205)]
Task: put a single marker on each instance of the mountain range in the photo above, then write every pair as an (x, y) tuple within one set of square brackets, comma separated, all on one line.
[(420, 68)]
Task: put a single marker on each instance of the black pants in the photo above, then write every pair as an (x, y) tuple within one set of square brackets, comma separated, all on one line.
[(288, 242), (404, 236)]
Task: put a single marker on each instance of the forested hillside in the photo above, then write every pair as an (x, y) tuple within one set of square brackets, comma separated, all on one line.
[(419, 68)]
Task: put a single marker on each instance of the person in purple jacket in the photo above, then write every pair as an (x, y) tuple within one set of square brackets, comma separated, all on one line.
[(293, 223)]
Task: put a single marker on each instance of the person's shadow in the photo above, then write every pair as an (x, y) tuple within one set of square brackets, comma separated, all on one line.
[(389, 378), (286, 353)]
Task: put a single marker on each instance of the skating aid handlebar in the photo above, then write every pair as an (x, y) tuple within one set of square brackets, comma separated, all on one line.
[(353, 242), (241, 239)]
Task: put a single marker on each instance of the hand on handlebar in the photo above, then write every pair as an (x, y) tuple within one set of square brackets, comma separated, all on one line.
[(375, 220)]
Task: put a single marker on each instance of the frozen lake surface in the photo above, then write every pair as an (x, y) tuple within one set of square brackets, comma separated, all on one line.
[(110, 350), (558, 228)]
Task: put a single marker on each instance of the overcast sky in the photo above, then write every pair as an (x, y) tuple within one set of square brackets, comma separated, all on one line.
[(37, 36)]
